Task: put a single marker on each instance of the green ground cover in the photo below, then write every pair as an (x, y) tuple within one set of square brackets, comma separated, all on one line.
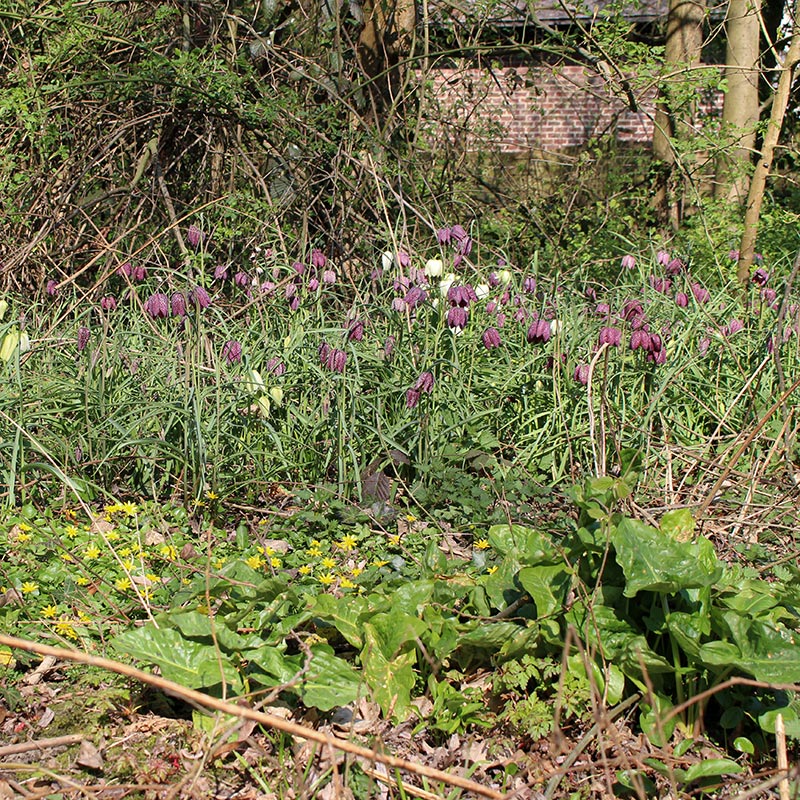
[(486, 501)]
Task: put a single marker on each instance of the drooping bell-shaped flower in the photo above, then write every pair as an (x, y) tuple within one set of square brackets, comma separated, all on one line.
[(491, 338), (157, 305), (232, 351), (84, 334)]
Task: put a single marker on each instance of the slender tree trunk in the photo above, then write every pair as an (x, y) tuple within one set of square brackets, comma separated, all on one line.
[(386, 39), (741, 107), (759, 182), (672, 119)]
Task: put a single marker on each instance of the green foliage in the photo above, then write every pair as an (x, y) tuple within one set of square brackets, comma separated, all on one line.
[(652, 611)]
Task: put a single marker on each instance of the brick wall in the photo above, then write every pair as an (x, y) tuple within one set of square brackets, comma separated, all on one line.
[(519, 108)]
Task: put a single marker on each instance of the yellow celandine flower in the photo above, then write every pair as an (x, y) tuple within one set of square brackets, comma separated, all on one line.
[(346, 583), (123, 584), (29, 587), (84, 617), (125, 552), (71, 531), (67, 557), (481, 544), (211, 495), (328, 562), (348, 542), (23, 526), (410, 518), (394, 540), (379, 563), (70, 513), (64, 628), (269, 551), (316, 543), (186, 581), (23, 537), (129, 509), (275, 562), (219, 563), (112, 536), (356, 571), (304, 570), (82, 580), (50, 612), (327, 579), (151, 576), (168, 551), (314, 551), (127, 563), (92, 551), (254, 562), (492, 569)]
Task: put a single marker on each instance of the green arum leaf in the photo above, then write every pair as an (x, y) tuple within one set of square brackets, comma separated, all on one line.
[(712, 768), (609, 682), (525, 545), (654, 722), (618, 641), (412, 597), (388, 659), (434, 561), (547, 586), (192, 664), (752, 599), (678, 524), (500, 585), (653, 561), (791, 723), (760, 649), (346, 614), (274, 663), (330, 681)]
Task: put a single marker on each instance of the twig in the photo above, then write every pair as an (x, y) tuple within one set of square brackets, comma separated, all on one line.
[(40, 744), (270, 721), (783, 761), (584, 743)]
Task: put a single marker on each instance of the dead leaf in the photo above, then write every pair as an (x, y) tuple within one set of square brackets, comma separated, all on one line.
[(89, 756), (48, 715), (154, 537)]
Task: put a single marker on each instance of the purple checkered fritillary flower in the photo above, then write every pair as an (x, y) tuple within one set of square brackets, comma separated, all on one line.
[(491, 338), (108, 303), (200, 297), (157, 305), (318, 258), (84, 334), (611, 336), (194, 236), (539, 332), (232, 351), (178, 304)]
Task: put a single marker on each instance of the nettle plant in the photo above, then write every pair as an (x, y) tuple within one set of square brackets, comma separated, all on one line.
[(227, 377)]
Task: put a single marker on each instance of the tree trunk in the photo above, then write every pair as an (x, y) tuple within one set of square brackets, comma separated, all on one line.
[(759, 182), (385, 40), (674, 119), (741, 107)]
